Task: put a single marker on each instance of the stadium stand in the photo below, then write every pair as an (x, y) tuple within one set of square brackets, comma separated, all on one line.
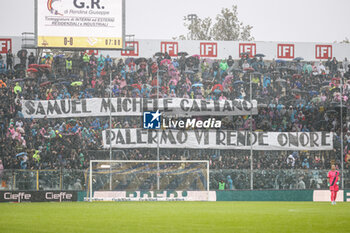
[(293, 96)]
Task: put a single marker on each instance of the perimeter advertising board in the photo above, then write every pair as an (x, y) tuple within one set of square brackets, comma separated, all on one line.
[(38, 196), (94, 24)]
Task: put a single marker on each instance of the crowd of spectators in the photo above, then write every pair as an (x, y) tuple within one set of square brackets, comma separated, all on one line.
[(292, 96)]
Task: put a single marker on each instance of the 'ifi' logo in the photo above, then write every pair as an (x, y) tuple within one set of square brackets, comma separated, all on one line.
[(151, 120)]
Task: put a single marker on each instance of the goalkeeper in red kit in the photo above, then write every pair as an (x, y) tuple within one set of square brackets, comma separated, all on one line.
[(333, 183)]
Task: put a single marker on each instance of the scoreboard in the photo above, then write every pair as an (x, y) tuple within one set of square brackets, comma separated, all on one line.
[(85, 24)]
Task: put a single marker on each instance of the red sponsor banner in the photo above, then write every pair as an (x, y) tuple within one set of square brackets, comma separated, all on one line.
[(323, 51), (285, 51), (5, 45), (131, 53), (91, 51), (247, 48), (209, 49), (171, 48)]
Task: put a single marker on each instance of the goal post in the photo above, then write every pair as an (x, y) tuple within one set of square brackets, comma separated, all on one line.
[(148, 180)]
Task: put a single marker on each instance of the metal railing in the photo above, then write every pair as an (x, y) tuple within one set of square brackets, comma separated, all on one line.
[(263, 179)]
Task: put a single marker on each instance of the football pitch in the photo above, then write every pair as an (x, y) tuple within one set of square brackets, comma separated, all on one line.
[(174, 217)]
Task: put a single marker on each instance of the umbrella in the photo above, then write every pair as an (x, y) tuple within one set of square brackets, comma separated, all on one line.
[(245, 54), (249, 69), (296, 76), (182, 54), (196, 56), (262, 105), (59, 56), (73, 76), (45, 66), (22, 53), (90, 90), (325, 87), (282, 68), (146, 86), (298, 59), (19, 67), (288, 76), (237, 70), (167, 61), (137, 91), (191, 60), (209, 61), (136, 86), (313, 86), (217, 86), (284, 98), (238, 82), (20, 129), (32, 70), (208, 81), (45, 83), (316, 99), (16, 80), (331, 111), (229, 77), (128, 60), (21, 154), (336, 89), (275, 72), (280, 61), (295, 90), (197, 85), (259, 55), (33, 66), (158, 54), (65, 83), (313, 92), (139, 60), (256, 73), (75, 84), (281, 80), (189, 72)]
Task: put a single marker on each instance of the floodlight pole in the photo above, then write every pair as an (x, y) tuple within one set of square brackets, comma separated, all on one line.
[(110, 129), (251, 132), (341, 133), (158, 131), (90, 180)]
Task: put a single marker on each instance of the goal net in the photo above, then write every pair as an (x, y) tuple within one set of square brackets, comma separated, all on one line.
[(134, 180)]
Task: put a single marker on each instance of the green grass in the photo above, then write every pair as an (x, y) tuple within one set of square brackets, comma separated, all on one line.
[(174, 217)]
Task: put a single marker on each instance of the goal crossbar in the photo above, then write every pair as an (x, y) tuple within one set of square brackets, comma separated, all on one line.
[(145, 161)]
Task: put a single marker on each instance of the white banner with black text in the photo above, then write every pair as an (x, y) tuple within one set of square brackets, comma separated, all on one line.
[(217, 139)]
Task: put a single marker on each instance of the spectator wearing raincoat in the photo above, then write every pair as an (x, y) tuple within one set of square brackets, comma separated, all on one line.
[(17, 89), (307, 68), (223, 66), (2, 84), (36, 156)]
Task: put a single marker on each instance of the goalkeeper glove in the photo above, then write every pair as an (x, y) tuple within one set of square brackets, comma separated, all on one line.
[(328, 184)]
